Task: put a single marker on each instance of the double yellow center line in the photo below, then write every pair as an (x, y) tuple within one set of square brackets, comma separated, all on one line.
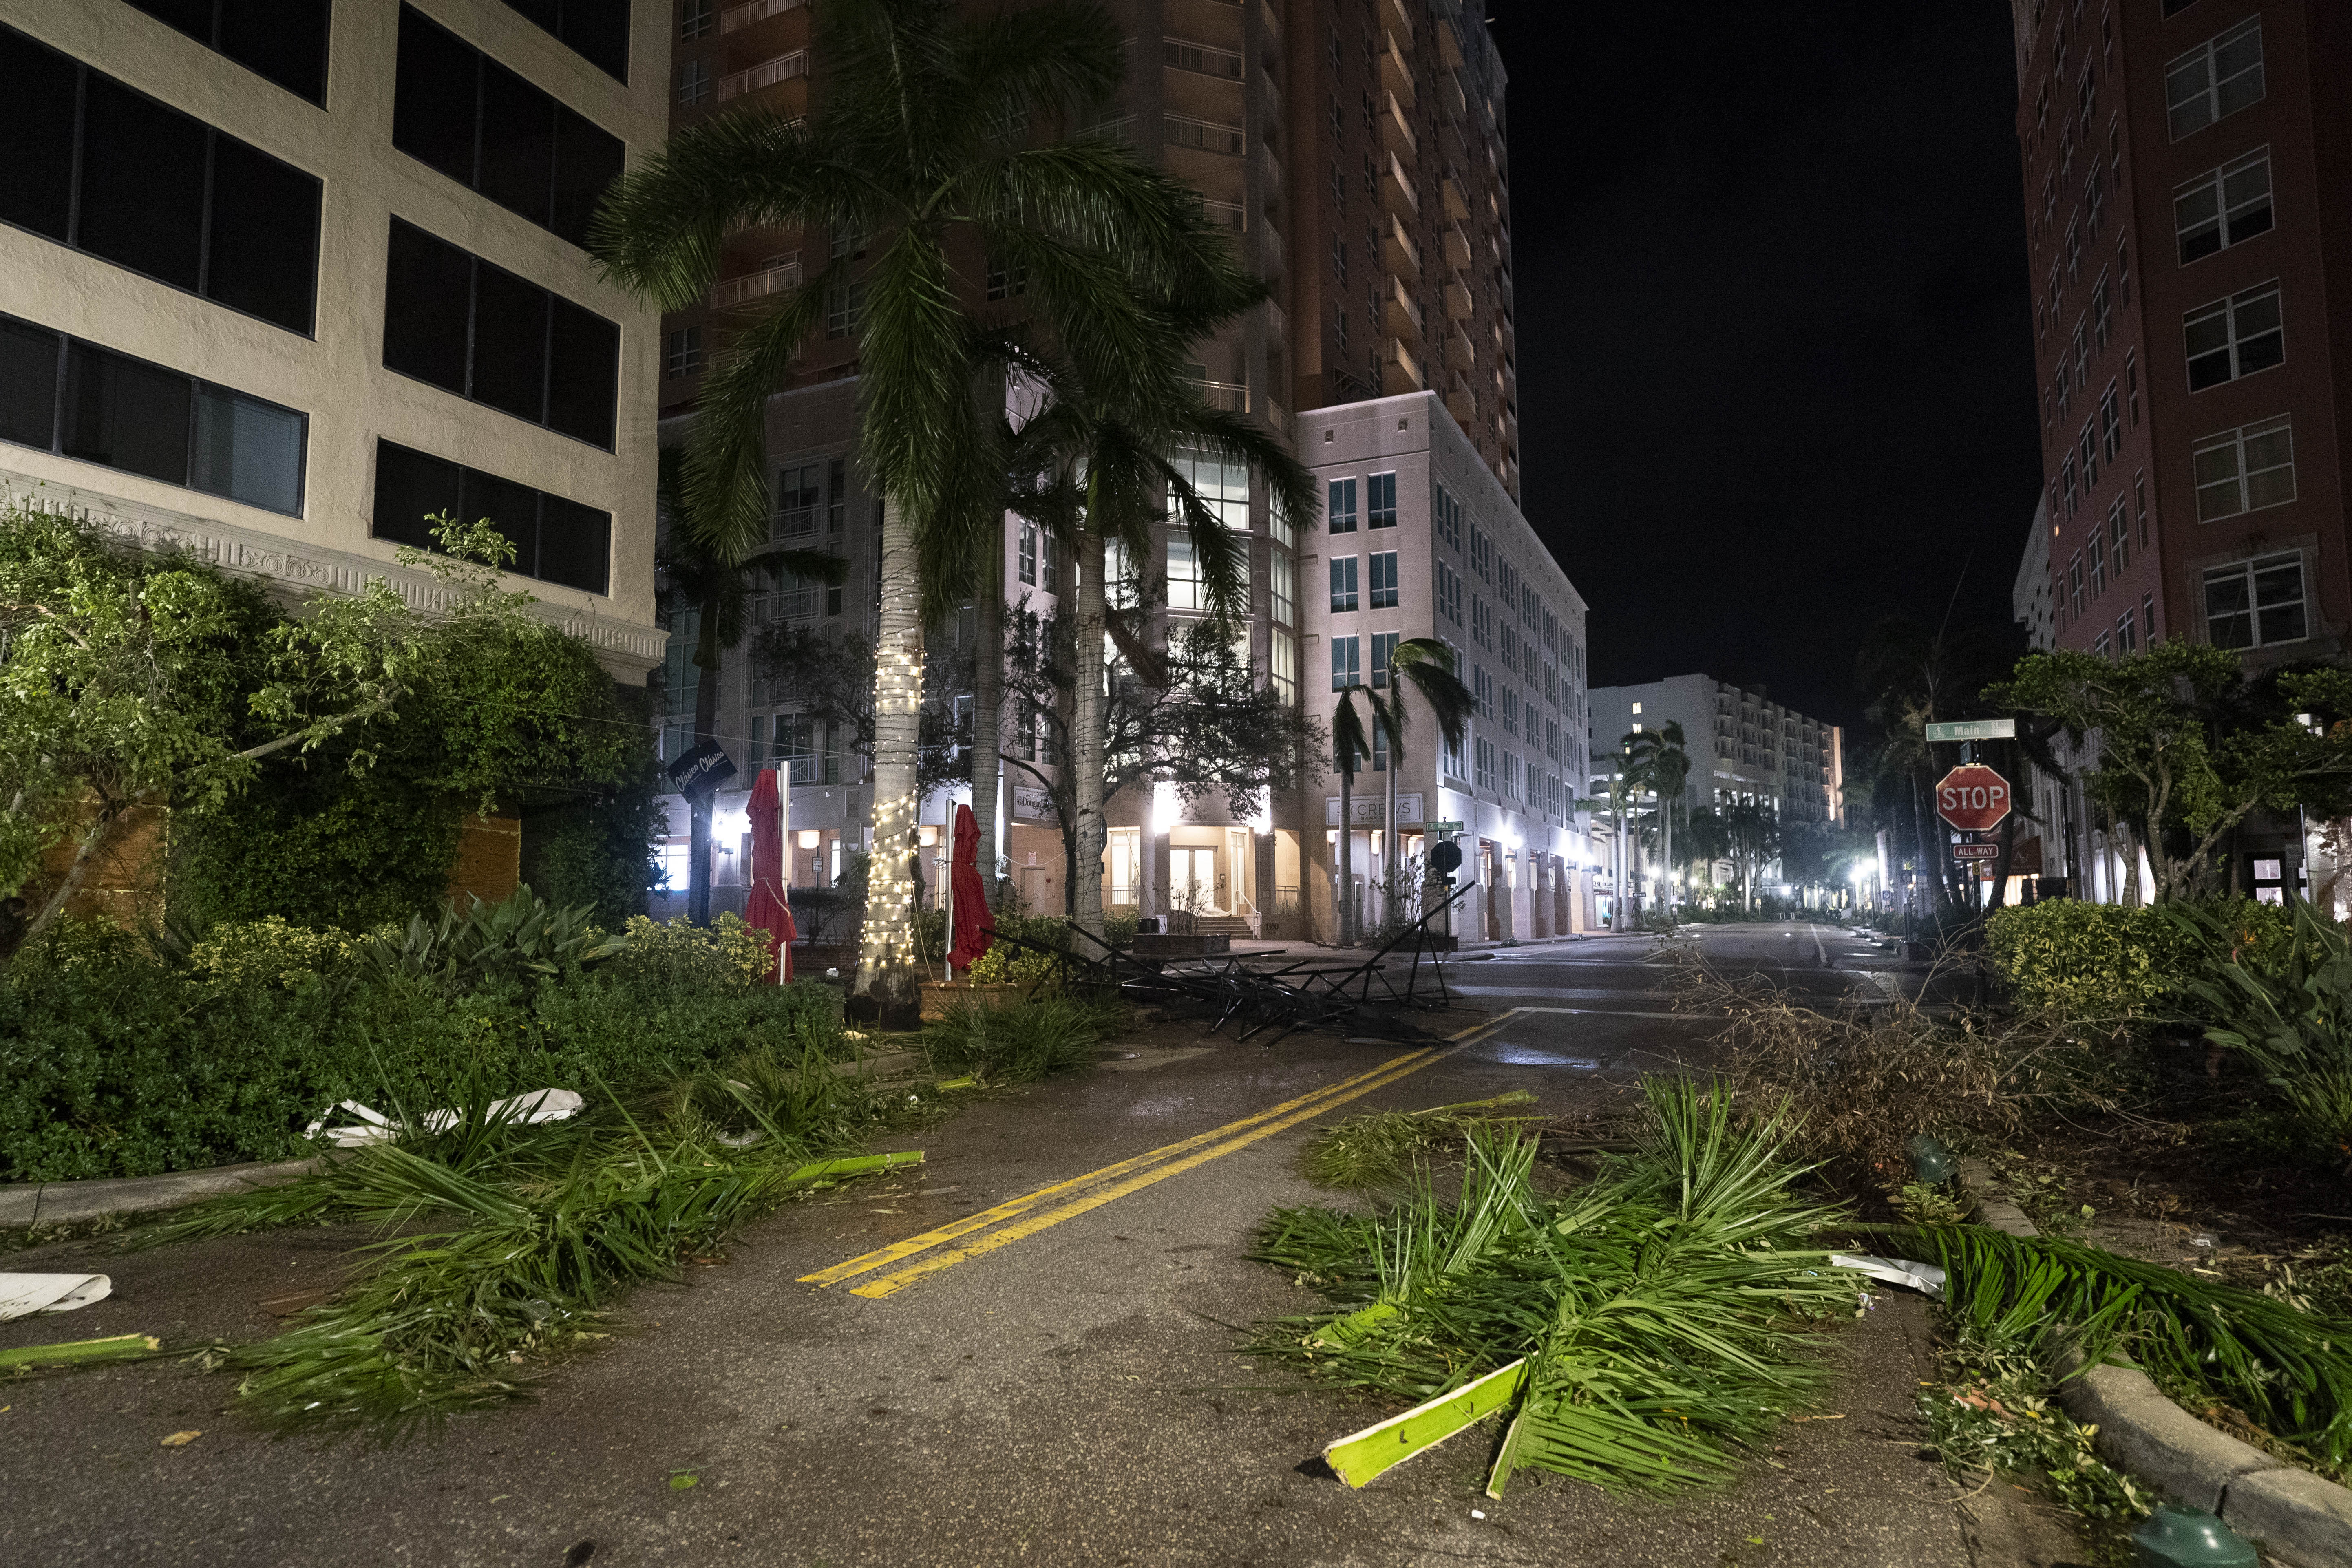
[(1096, 1188)]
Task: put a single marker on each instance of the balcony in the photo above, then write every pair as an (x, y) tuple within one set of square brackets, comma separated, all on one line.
[(1396, 132), (1396, 192), (766, 73), (1457, 205), (1207, 135), (1459, 355), (1226, 214), (1277, 324), (1449, 44), (1273, 22), (1231, 396), (1393, 14), (1397, 249), (1395, 75), (1459, 403), (1457, 247), (739, 16), (1274, 249), (1279, 418), (1400, 372), (1202, 59), (1457, 299), (774, 279), (1402, 317), (1119, 131), (1451, 98)]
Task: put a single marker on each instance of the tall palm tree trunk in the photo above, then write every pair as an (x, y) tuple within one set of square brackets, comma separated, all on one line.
[(1391, 885), (888, 964), (706, 722), (1347, 855), (1087, 737), (987, 705)]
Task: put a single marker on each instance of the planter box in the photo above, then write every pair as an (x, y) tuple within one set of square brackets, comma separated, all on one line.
[(1148, 945), (939, 997)]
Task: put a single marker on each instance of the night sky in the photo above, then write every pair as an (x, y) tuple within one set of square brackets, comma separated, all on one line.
[(1776, 370)]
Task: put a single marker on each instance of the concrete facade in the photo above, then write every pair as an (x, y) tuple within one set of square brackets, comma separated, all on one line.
[(1743, 746), (334, 374)]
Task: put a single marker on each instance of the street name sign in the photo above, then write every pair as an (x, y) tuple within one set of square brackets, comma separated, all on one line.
[(1445, 829), (1972, 798), (1974, 730)]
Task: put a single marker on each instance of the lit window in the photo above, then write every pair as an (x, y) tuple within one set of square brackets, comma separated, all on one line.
[(2245, 470), (1284, 590), (1282, 665), (1184, 589), (2255, 604)]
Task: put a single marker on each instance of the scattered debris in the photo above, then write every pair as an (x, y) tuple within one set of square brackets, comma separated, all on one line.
[(181, 1440), (1357, 1458), (1380, 1150), (371, 1126), (1923, 1278), (293, 1301), (22, 1295)]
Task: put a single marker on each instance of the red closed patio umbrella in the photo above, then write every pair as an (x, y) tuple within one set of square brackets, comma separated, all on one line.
[(765, 909), (974, 930)]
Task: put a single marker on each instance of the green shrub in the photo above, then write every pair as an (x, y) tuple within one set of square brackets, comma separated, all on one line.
[(1013, 1045), (1006, 964), (2112, 962), (726, 952), (269, 951), (114, 1063)]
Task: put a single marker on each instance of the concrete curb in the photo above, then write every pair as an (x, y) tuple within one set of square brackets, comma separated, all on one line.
[(26, 1204), (2300, 1519)]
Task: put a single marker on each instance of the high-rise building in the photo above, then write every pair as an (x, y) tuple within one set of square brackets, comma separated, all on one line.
[(277, 281), (1356, 150), (1744, 748), (2192, 253)]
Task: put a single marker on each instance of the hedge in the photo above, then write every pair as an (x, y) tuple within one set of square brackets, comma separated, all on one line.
[(2111, 960)]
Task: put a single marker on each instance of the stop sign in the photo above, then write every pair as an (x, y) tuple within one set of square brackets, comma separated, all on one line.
[(1972, 798)]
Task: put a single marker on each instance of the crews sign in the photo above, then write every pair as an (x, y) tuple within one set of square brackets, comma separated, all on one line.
[(1972, 798)]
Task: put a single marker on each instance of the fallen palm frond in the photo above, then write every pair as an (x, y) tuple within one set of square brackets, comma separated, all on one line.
[(1016, 1044), (2290, 1371), (1661, 1310), (1379, 1150)]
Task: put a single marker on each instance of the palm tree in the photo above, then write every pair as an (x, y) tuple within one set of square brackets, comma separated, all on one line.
[(1424, 665), (921, 151), (1106, 458), (1657, 759), (709, 565)]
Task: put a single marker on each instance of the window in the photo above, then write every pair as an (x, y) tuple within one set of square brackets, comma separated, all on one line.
[(459, 111), (2099, 645), (1340, 326), (1510, 710), (1510, 649), (2095, 547), (1384, 646), (2074, 585), (596, 30), (836, 490), (2255, 604), (2111, 424), (1511, 775), (2119, 541), (2245, 470), (2131, 388), (800, 496), (96, 166), (2088, 445), (695, 19), (1026, 551), (61, 395), (2235, 337), (1006, 280), (1343, 584), (681, 353), (2067, 476), (1282, 665), (1484, 749), (1551, 738), (1346, 668), (844, 308), (2103, 315), (1449, 593), (693, 82), (285, 42), (2148, 617), (1342, 508), (1482, 687), (1185, 587), (2226, 207), (1384, 580), (556, 541), (468, 327), (1379, 502), (1448, 514), (1339, 259), (1284, 590), (2126, 631), (2215, 79), (1482, 622), (1482, 554), (1221, 486)]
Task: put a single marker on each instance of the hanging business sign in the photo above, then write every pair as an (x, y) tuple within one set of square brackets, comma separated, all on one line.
[(702, 770), (1032, 803)]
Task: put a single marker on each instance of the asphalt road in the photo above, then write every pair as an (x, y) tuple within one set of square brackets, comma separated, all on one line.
[(1073, 1395)]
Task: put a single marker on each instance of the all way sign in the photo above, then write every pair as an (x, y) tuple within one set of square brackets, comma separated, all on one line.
[(1972, 798)]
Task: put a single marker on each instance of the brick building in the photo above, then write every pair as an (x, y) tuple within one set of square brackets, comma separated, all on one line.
[(2185, 167)]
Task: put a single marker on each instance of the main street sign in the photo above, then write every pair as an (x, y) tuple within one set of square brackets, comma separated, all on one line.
[(1972, 798), (1974, 730), (1446, 829)]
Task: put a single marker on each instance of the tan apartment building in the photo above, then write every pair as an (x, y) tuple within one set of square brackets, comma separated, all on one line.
[(277, 283), (1355, 149)]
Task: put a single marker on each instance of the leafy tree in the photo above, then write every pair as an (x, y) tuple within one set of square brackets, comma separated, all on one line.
[(831, 678), (920, 156), (1656, 758), (710, 562), (1201, 723), (2189, 747), (133, 679), (1752, 833)]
